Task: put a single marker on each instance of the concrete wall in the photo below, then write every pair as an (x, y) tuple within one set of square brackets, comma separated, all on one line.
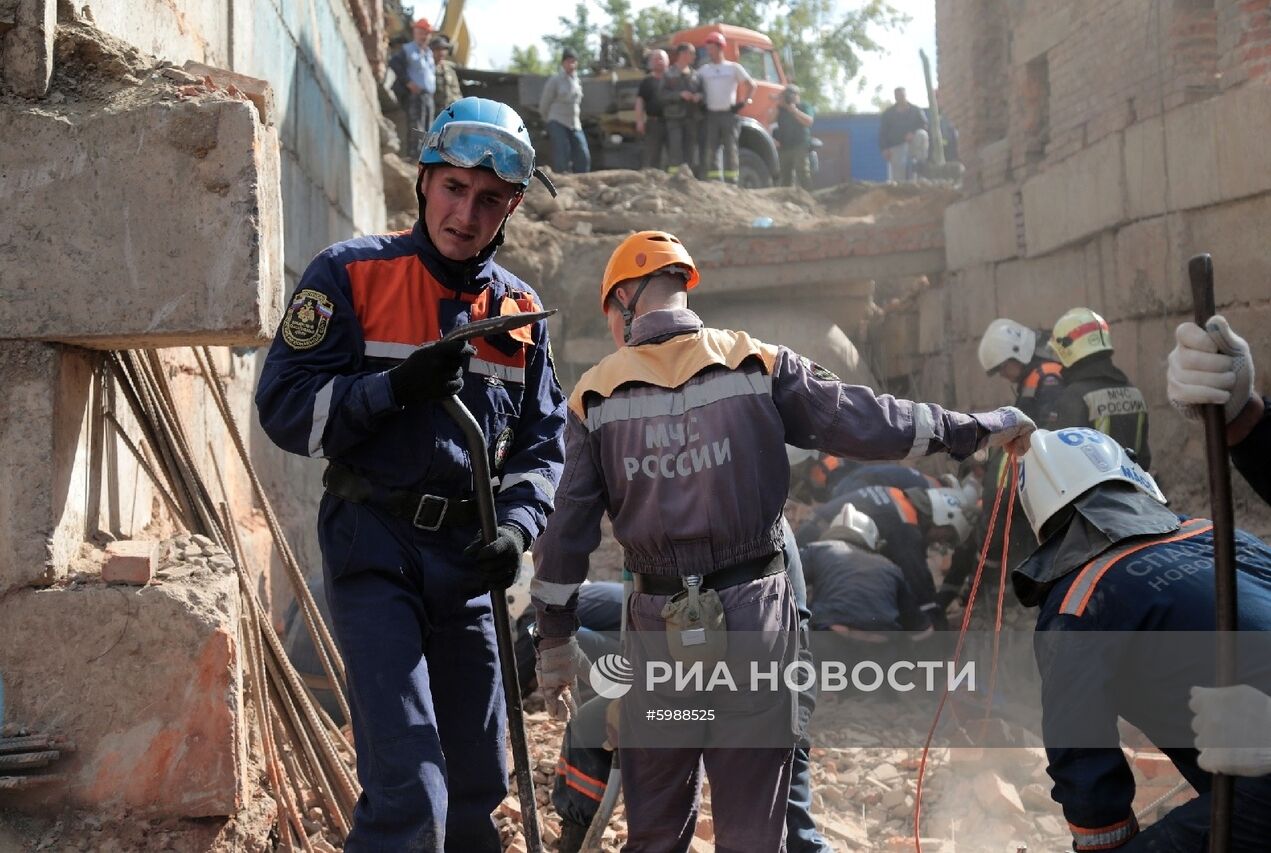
[(1117, 161), (328, 120)]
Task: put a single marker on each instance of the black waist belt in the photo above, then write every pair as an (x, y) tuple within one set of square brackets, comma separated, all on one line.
[(427, 512), (751, 570)]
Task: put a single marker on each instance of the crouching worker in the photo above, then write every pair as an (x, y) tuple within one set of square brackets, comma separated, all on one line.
[(679, 436), (1114, 562), (858, 597)]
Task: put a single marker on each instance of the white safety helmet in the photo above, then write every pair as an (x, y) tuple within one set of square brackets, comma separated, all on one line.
[(947, 510), (1004, 340), (853, 524), (1061, 466), (518, 594)]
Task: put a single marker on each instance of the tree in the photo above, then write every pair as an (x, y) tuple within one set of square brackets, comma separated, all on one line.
[(525, 60), (826, 49), (579, 33)]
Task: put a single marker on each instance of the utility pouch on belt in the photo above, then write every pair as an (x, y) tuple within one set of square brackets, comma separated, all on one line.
[(695, 629)]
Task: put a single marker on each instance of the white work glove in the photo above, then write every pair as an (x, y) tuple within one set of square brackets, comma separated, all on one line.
[(1007, 427), (1210, 366), (557, 668), (1233, 729)]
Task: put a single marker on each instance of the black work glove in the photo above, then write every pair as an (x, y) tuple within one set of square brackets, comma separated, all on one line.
[(498, 562), (431, 372)]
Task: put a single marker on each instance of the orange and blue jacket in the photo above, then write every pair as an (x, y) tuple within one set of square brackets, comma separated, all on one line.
[(1097, 666), (363, 306)]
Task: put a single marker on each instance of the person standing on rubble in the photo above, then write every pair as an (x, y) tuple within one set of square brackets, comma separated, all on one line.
[(897, 133), (407, 579), (448, 88), (560, 106), (648, 112), (681, 99), (703, 509), (417, 71), (726, 87), (1096, 392), (794, 138), (1113, 562)]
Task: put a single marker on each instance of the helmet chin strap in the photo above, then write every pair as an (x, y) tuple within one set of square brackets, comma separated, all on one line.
[(628, 308)]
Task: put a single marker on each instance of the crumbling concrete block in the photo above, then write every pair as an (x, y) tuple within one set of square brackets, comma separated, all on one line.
[(26, 50), (146, 683), (981, 229), (1075, 198), (1244, 119), (973, 301), (151, 221), (1145, 168), (997, 796), (1036, 291), (1191, 150), (67, 473), (258, 91), (130, 561)]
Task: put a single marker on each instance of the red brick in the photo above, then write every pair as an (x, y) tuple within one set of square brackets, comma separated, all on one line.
[(130, 561)]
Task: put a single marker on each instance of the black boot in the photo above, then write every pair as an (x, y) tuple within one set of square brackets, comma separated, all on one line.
[(571, 836)]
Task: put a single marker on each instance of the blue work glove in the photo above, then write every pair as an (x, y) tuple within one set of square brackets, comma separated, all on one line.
[(432, 372), (498, 562)]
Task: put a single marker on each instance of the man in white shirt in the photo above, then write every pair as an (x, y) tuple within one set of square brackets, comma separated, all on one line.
[(421, 82), (727, 89)]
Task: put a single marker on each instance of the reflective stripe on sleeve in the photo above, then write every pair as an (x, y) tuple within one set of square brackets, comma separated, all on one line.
[(543, 484), (553, 594), (924, 430), (1104, 837), (321, 412)]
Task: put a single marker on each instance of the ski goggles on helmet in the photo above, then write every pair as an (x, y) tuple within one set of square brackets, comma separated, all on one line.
[(469, 144)]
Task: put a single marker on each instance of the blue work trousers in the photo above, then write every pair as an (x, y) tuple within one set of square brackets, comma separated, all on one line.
[(569, 149), (424, 684), (1185, 829)]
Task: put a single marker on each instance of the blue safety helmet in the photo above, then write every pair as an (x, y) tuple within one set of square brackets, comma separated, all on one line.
[(480, 133)]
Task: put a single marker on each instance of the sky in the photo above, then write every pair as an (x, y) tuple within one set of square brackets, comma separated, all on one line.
[(499, 25)]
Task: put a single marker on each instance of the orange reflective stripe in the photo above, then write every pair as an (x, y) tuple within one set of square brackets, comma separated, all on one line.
[(1104, 837), (580, 781), (903, 505), (1078, 595)]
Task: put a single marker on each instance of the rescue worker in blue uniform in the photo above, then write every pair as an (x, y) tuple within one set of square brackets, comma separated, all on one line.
[(908, 521), (1214, 366), (1114, 562), (406, 578)]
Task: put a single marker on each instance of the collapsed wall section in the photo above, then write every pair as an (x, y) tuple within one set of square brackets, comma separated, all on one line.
[(1137, 172)]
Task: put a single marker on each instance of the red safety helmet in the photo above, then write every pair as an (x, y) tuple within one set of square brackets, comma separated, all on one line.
[(716, 38), (421, 24)]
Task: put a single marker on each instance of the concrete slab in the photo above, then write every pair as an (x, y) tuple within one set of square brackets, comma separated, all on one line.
[(1036, 291), (932, 327), (1076, 198), (981, 229), (973, 302), (1235, 234), (1145, 283), (1145, 168), (1191, 155), (145, 681), (26, 50), (1244, 115), (153, 221)]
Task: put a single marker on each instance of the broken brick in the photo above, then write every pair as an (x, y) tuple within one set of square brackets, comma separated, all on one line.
[(131, 561)]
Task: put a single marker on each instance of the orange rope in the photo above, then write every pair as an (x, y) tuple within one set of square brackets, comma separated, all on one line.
[(962, 632)]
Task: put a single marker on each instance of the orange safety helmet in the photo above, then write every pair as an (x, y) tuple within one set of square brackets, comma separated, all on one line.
[(641, 255), (716, 38)]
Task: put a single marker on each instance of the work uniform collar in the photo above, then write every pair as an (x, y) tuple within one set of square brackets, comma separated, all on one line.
[(469, 276), (663, 324), (1097, 366), (1102, 518)]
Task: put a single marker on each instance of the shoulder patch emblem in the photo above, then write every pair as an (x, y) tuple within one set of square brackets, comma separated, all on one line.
[(822, 373), (306, 321), (502, 447)]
